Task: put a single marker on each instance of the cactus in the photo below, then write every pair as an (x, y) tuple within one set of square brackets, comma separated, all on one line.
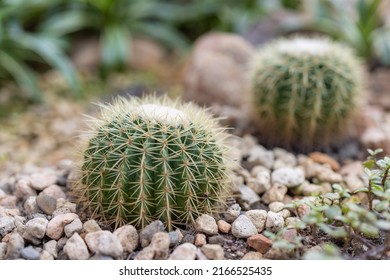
[(153, 159), (305, 91)]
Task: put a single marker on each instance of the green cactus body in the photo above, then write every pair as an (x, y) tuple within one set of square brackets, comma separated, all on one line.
[(305, 90), (152, 160)]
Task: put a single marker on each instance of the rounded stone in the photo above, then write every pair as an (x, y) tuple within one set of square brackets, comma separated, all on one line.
[(37, 227), (242, 227), (206, 224), (213, 251), (128, 236), (104, 243), (186, 251), (55, 227), (275, 222), (258, 218), (288, 176), (46, 203), (75, 248), (30, 253), (147, 232)]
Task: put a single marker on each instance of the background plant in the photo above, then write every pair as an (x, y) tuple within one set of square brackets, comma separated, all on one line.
[(304, 91), (23, 49), (349, 221), (357, 23)]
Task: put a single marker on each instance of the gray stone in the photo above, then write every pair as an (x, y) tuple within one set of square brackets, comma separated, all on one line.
[(75, 226), (186, 251), (216, 239), (46, 203), (104, 243), (51, 248), (40, 181), (206, 224), (23, 190), (248, 195), (258, 155), (174, 238), (6, 225), (55, 228), (292, 222), (213, 251), (232, 212), (188, 238), (15, 246), (200, 255), (30, 253), (75, 248), (30, 205), (128, 237), (275, 222), (288, 176), (258, 218), (36, 227), (3, 250), (242, 227), (54, 191), (147, 232), (91, 226)]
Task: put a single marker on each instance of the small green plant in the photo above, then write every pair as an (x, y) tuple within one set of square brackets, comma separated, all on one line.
[(347, 222), (153, 159), (305, 90)]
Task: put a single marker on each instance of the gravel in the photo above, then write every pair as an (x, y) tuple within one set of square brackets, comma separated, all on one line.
[(147, 232), (39, 221)]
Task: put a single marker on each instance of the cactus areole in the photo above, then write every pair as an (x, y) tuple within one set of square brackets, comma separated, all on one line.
[(153, 159), (305, 90)]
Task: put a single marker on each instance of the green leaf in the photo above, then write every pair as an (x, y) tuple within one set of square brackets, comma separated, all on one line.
[(47, 48), (336, 232), (369, 230), (332, 211), (23, 76), (67, 22), (115, 46), (163, 33), (362, 189)]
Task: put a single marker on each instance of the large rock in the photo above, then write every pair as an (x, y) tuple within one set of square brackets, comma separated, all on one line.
[(216, 72)]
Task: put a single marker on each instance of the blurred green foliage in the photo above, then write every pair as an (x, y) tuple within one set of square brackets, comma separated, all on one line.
[(357, 23), (23, 48), (36, 35)]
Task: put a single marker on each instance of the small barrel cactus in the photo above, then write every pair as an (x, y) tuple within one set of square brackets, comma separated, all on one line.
[(153, 159), (305, 91)]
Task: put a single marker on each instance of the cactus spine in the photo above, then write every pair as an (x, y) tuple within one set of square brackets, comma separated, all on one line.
[(153, 159), (304, 90)]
